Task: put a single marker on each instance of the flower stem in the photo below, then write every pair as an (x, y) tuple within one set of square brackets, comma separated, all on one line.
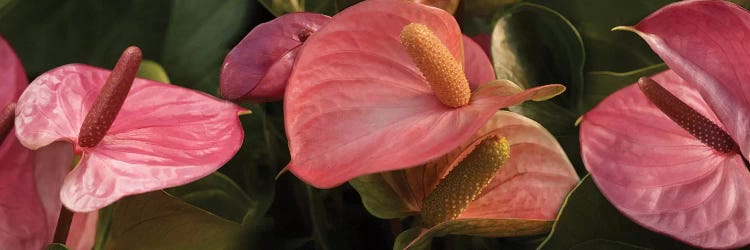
[(63, 225)]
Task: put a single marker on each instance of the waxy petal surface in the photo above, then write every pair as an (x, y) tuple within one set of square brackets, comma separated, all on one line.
[(534, 181), (706, 43), (524, 196), (357, 104), (82, 235), (22, 221), (477, 65), (662, 177), (51, 164), (257, 68), (164, 135)]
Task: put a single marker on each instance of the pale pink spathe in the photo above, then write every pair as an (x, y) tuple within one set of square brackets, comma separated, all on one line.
[(164, 135)]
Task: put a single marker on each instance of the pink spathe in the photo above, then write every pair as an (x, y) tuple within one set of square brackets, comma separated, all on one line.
[(357, 104), (163, 136), (654, 171), (29, 193)]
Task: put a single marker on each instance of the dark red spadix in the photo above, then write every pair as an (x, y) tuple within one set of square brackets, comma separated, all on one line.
[(110, 99), (6, 120), (687, 118)]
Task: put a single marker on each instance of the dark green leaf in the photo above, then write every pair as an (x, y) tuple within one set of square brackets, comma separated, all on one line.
[(588, 221), (533, 45), (607, 50), (379, 197), (103, 224), (199, 35), (50, 33), (217, 194), (600, 84), (258, 161), (478, 16), (157, 220)]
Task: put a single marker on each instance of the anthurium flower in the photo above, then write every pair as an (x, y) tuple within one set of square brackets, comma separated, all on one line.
[(669, 152), (257, 68), (522, 195), (28, 216), (131, 139), (367, 97)]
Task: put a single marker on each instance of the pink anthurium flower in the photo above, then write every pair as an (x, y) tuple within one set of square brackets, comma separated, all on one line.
[(670, 155), (522, 196), (28, 215), (357, 103), (132, 140), (257, 68)]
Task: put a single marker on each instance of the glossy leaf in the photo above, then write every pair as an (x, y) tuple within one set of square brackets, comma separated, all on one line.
[(217, 194), (600, 84), (94, 32), (160, 221), (549, 51), (194, 47), (587, 220), (212, 128), (88, 31), (607, 50)]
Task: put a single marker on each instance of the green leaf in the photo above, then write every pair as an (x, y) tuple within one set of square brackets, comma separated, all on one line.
[(153, 71), (378, 196), (588, 221), (199, 35), (420, 238), (478, 16), (533, 45), (50, 33), (600, 84), (326, 7), (408, 236), (217, 194), (607, 50), (103, 225), (157, 220), (263, 153), (57, 246)]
